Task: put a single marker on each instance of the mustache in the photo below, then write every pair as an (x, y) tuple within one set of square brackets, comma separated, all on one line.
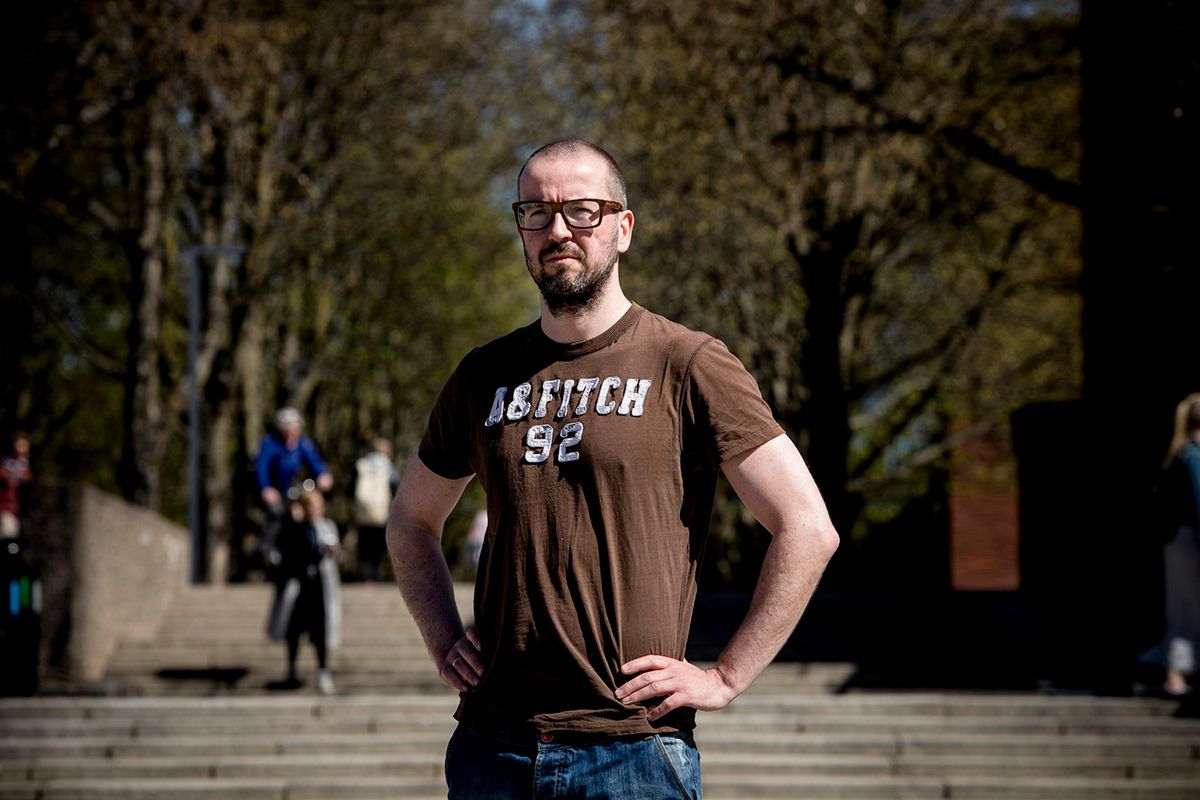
[(561, 248)]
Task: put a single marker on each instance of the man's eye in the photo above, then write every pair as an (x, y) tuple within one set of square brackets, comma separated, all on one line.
[(536, 215)]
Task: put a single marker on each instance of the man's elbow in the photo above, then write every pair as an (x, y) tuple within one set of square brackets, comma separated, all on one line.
[(391, 535), (821, 541), (398, 530), (828, 541), (405, 530)]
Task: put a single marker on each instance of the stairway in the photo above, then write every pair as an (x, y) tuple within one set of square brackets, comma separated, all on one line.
[(212, 642), (191, 715)]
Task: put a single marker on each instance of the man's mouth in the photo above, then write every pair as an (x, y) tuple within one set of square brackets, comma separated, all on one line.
[(559, 254)]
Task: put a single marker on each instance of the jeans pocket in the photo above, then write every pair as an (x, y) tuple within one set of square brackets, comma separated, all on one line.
[(483, 767), (680, 754)]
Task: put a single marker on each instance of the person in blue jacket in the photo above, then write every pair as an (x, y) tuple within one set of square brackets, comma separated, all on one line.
[(284, 454)]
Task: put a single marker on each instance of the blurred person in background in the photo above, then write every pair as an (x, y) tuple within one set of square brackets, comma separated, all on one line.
[(1179, 508), (373, 487), (14, 475), (285, 454), (307, 588)]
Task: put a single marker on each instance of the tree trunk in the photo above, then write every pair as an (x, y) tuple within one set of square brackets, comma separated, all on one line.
[(248, 370), (218, 401), (143, 407), (826, 414), (218, 493)]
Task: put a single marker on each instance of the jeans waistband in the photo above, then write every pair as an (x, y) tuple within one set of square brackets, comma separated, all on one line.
[(527, 736)]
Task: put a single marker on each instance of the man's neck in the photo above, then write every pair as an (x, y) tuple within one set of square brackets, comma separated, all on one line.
[(574, 328)]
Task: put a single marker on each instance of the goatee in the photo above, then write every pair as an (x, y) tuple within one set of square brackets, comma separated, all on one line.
[(572, 294)]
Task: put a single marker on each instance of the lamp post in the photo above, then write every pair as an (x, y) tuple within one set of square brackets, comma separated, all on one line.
[(191, 258)]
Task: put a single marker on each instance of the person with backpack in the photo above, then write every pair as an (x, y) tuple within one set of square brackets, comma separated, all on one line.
[(374, 485)]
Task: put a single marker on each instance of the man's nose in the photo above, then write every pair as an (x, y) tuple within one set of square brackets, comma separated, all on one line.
[(560, 231)]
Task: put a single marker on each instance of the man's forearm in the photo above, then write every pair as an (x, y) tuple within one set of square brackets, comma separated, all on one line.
[(790, 573), (427, 588)]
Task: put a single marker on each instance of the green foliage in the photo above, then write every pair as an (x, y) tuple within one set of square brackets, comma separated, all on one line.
[(875, 204), (339, 149)]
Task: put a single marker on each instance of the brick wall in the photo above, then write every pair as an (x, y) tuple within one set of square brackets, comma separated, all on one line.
[(984, 540), (984, 520)]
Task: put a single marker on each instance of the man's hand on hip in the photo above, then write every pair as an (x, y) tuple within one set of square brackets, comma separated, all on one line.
[(681, 683), (462, 667)]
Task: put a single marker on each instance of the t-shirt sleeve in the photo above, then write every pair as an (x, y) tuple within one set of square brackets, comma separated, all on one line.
[(725, 405), (445, 446)]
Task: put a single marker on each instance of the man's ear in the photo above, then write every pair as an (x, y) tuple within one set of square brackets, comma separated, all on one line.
[(624, 230)]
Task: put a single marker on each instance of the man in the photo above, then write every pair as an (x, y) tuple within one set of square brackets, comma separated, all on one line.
[(596, 433)]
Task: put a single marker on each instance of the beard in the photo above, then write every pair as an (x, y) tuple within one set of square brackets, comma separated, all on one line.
[(572, 293)]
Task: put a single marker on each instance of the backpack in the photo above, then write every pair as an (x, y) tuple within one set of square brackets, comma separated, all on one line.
[(372, 491)]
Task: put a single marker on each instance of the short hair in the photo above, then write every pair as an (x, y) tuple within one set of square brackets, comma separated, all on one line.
[(570, 147), (287, 417)]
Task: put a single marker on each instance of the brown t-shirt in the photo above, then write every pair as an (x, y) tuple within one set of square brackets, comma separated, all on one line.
[(599, 461)]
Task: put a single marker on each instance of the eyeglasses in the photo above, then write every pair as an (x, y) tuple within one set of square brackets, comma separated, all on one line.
[(536, 215)]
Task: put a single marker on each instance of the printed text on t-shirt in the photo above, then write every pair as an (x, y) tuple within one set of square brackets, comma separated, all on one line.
[(559, 399)]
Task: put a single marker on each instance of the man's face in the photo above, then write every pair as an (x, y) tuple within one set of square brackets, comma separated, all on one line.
[(291, 434), (571, 266)]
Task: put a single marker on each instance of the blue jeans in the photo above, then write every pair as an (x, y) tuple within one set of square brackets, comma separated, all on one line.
[(498, 766)]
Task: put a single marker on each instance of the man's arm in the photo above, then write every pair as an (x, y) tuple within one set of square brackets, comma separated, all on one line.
[(262, 470), (414, 533), (774, 483), (316, 464)]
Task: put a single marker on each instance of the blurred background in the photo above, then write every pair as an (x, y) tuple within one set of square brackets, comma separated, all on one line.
[(954, 241)]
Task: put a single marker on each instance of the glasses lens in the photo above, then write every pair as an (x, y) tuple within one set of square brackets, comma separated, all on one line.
[(534, 216), (582, 213)]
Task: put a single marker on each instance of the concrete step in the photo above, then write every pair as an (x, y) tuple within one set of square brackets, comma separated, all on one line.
[(425, 762), (718, 788), (227, 789), (865, 788), (1182, 749), (723, 761), (988, 725), (948, 709)]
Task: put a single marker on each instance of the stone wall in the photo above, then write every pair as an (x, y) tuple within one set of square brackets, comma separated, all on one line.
[(110, 571)]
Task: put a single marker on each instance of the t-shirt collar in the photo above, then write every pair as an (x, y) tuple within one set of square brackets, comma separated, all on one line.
[(562, 351)]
